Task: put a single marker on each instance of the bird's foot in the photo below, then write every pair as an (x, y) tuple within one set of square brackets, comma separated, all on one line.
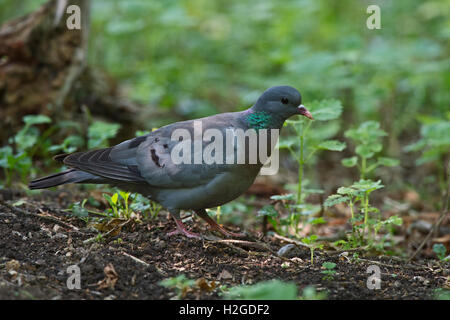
[(202, 214), (181, 229)]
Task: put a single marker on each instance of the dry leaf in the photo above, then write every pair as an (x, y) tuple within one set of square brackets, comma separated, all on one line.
[(204, 285), (111, 277), (225, 275)]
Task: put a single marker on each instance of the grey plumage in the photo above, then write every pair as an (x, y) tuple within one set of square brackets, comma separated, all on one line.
[(144, 164)]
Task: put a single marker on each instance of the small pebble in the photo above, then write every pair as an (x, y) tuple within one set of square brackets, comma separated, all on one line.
[(285, 250)]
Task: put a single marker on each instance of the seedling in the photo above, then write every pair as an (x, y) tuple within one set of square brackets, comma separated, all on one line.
[(271, 214), (329, 271), (367, 138), (180, 283), (312, 245), (440, 251)]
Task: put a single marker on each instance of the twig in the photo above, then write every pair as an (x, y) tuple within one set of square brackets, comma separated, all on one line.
[(135, 259), (42, 217), (296, 242)]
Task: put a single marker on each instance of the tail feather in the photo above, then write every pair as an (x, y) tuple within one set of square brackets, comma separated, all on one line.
[(68, 176)]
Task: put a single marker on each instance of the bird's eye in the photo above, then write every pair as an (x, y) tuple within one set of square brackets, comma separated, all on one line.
[(284, 100)]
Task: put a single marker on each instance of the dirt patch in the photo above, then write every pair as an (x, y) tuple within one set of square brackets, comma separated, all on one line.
[(39, 242)]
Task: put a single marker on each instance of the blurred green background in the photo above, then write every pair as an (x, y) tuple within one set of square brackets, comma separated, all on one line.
[(202, 56), (199, 57)]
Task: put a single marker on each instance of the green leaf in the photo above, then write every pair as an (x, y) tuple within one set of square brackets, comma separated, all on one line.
[(325, 110), (268, 290), (346, 191), (36, 119), (99, 133), (114, 198), (364, 151), (288, 196), (335, 199), (332, 145), (329, 265), (440, 250), (268, 211), (319, 220), (349, 162), (388, 162), (78, 210), (367, 185), (287, 143)]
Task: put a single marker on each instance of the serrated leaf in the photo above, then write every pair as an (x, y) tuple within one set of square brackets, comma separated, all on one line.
[(36, 119), (346, 191), (288, 196), (349, 162), (333, 145), (364, 151), (268, 211), (335, 199), (325, 110), (388, 162), (286, 143), (367, 185)]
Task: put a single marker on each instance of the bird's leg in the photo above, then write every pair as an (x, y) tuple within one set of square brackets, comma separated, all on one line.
[(181, 228), (204, 215)]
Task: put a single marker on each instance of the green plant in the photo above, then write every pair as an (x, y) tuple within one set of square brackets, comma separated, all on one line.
[(367, 138), (147, 207), (267, 290), (359, 193), (312, 244), (329, 271), (442, 294), (16, 157), (434, 144), (303, 145), (180, 283), (310, 293), (440, 251), (100, 132)]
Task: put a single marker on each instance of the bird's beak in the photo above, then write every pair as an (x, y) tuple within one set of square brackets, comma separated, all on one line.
[(304, 112)]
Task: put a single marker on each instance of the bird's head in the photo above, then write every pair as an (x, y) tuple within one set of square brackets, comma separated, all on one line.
[(282, 102)]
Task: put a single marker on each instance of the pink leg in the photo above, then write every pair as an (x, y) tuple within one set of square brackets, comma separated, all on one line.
[(204, 215), (181, 228)]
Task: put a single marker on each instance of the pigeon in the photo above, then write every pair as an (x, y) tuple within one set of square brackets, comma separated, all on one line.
[(151, 165)]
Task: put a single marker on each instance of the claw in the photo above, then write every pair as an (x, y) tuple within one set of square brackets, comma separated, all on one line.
[(181, 229), (202, 214)]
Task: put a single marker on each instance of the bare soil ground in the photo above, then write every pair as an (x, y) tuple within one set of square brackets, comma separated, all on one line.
[(38, 242)]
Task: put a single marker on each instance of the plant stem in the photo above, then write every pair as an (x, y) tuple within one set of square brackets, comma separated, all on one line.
[(363, 168), (366, 214), (300, 172)]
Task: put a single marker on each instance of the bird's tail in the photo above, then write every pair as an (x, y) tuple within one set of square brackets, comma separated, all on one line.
[(68, 176)]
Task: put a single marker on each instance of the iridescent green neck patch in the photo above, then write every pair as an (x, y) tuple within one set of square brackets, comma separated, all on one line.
[(258, 120)]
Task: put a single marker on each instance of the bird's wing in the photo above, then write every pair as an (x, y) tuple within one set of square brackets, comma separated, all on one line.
[(116, 163), (159, 167), (148, 159)]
